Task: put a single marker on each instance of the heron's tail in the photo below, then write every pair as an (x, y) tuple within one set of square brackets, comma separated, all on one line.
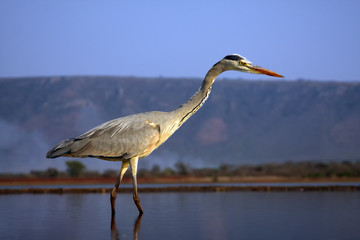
[(62, 149)]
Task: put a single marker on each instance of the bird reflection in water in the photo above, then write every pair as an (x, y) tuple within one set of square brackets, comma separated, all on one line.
[(115, 233)]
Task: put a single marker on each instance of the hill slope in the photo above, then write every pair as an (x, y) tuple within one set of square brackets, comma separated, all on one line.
[(242, 122)]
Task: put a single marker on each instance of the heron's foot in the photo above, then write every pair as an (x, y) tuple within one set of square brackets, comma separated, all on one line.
[(138, 205)]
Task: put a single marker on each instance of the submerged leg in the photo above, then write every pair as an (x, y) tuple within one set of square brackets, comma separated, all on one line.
[(133, 165), (137, 226), (114, 230), (124, 167)]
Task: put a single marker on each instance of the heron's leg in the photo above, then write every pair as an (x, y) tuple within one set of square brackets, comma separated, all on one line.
[(114, 230), (137, 226), (133, 165), (124, 167)]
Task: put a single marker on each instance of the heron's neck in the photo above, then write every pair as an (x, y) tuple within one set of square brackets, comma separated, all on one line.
[(185, 111)]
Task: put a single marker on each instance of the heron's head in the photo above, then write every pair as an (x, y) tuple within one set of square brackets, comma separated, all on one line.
[(239, 63)]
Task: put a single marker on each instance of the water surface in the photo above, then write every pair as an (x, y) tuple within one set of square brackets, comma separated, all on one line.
[(223, 215)]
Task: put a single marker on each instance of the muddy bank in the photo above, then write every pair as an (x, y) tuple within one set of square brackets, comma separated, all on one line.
[(168, 180), (183, 189)]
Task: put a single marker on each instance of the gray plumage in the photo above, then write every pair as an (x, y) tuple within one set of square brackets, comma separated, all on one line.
[(132, 137), (117, 140)]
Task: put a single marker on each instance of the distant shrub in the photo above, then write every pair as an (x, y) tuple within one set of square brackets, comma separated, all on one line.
[(75, 168)]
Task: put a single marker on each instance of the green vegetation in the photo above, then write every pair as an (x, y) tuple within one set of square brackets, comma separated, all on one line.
[(311, 170), (75, 168)]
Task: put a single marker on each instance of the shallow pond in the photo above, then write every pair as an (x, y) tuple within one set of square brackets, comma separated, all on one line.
[(223, 215)]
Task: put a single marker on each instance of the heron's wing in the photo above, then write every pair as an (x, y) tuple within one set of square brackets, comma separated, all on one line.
[(119, 139)]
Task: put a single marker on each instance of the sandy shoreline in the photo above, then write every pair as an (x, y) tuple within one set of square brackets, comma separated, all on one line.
[(168, 180), (214, 188), (51, 185)]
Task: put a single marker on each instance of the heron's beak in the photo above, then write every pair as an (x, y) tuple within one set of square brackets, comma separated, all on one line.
[(260, 70)]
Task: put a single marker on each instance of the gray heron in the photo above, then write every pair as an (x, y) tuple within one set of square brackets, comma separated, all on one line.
[(130, 138)]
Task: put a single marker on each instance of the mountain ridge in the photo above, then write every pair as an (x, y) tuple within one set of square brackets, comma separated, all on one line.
[(242, 122)]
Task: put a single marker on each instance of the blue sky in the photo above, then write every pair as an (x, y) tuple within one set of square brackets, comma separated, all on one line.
[(317, 40)]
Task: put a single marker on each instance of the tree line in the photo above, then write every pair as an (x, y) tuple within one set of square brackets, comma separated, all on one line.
[(307, 169)]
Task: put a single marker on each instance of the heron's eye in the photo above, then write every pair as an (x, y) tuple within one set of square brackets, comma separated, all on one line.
[(244, 63)]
